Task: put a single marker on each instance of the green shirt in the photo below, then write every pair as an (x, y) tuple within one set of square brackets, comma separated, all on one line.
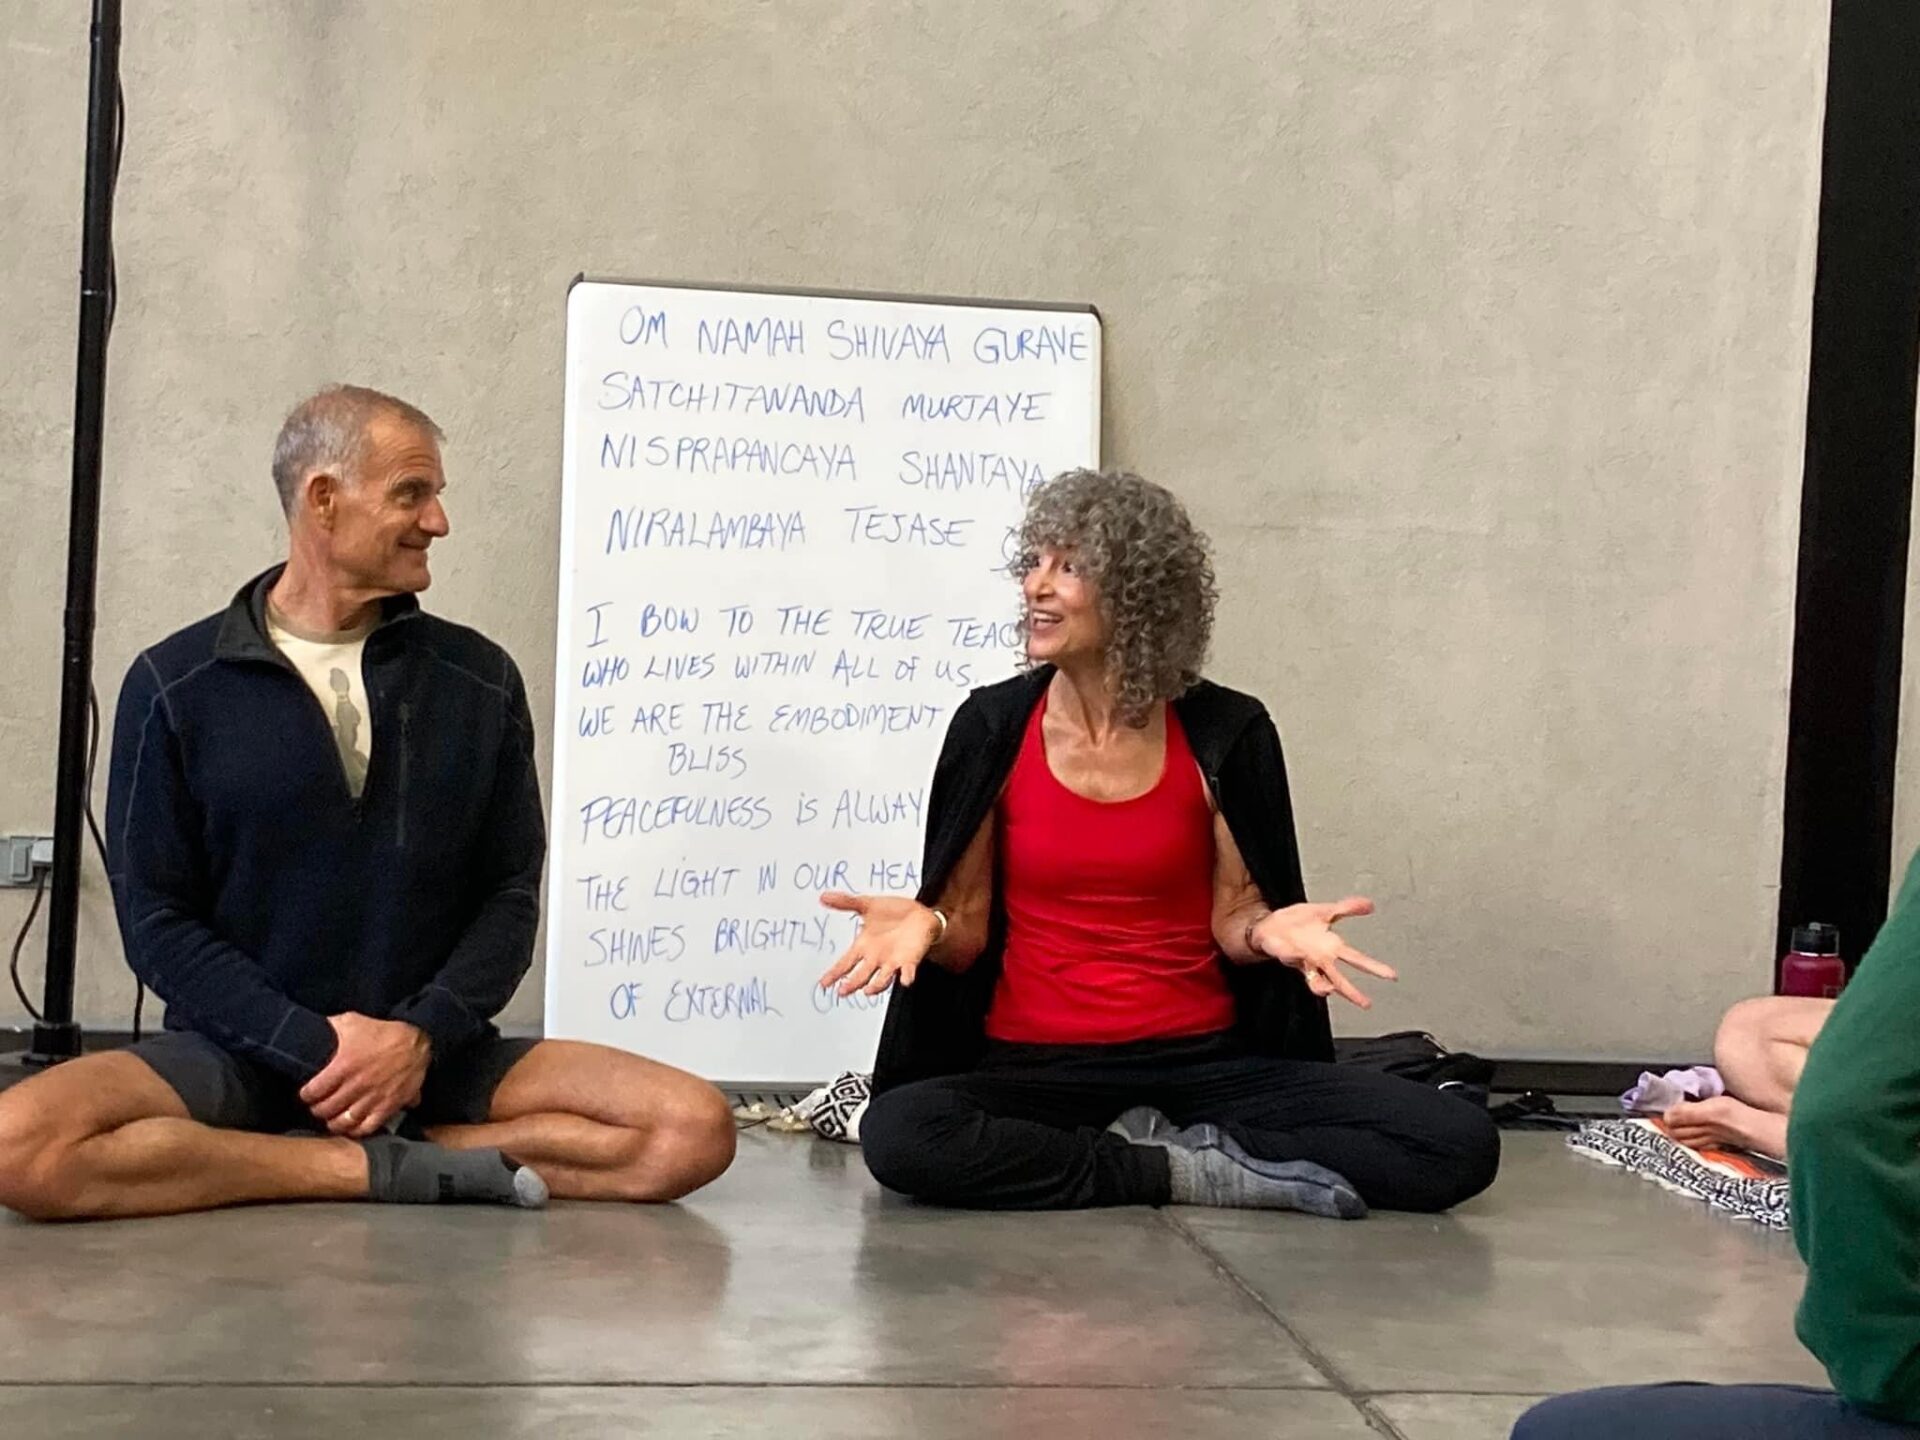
[(1853, 1144)]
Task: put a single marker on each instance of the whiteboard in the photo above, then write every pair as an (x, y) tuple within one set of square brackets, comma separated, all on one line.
[(785, 525)]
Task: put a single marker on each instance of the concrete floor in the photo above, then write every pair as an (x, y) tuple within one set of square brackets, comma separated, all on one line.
[(795, 1299)]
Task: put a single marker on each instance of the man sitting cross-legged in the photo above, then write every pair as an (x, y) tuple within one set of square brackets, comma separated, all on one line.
[(325, 837)]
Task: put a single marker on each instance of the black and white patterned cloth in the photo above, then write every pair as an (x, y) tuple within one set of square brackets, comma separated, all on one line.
[(834, 1110), (1750, 1188)]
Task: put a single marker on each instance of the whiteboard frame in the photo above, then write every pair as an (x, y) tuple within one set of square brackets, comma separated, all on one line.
[(557, 755)]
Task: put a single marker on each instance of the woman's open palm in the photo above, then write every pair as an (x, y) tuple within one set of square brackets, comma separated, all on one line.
[(895, 935), (1302, 937)]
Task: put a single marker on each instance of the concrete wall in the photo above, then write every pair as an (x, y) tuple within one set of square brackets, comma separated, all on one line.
[(1906, 793), (1475, 333)]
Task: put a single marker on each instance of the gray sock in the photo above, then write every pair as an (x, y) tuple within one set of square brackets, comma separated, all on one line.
[(416, 1172), (1206, 1166), (1144, 1125), (1215, 1177)]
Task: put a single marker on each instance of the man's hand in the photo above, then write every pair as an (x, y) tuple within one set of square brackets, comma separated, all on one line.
[(376, 1072), (1303, 937), (895, 935)]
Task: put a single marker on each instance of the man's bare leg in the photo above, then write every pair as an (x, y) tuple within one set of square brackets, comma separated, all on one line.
[(1760, 1050), (105, 1136), (600, 1124)]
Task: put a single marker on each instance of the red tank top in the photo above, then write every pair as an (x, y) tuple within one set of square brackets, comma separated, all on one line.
[(1109, 907)]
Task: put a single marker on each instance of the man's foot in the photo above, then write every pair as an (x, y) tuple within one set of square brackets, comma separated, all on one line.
[(416, 1172), (1206, 1166), (1724, 1120)]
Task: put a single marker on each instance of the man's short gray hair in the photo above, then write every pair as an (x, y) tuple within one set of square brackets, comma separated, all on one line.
[(328, 431)]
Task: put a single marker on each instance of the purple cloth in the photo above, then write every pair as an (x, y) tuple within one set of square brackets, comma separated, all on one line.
[(1657, 1094)]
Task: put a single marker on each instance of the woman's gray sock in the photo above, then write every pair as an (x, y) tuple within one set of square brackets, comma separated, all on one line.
[(1207, 1166), (417, 1172), (1222, 1177)]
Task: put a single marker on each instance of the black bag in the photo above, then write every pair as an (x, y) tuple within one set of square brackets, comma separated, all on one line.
[(1416, 1055)]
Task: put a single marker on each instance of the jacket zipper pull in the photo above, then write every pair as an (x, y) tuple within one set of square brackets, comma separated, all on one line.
[(406, 750)]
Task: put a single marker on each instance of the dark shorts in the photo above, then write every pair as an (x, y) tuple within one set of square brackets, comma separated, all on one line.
[(222, 1089)]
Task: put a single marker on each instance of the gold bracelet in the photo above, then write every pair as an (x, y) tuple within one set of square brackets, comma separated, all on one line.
[(941, 916), (1253, 949)]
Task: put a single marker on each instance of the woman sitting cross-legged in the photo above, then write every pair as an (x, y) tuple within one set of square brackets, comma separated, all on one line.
[(1111, 989)]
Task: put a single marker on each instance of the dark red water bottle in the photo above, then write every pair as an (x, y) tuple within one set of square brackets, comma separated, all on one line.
[(1813, 966)]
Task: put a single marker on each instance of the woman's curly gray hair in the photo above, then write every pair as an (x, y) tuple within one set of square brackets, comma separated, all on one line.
[(1152, 576)]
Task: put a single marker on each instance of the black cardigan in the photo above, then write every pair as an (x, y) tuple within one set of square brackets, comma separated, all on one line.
[(937, 1026)]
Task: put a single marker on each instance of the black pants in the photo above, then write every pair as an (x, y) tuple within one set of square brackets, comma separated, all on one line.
[(1704, 1412), (1027, 1130)]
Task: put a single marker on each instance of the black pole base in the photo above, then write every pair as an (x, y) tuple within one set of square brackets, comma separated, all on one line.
[(51, 1045)]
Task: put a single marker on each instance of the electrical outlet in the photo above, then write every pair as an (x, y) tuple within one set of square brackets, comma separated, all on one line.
[(24, 858)]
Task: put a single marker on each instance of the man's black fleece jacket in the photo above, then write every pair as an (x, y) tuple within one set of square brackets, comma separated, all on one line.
[(257, 896)]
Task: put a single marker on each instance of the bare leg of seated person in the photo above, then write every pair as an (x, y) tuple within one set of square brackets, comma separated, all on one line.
[(600, 1124), (1760, 1050), (108, 1136), (105, 1136)]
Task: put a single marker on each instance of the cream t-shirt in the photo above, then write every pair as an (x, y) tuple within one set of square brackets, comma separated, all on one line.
[(330, 664)]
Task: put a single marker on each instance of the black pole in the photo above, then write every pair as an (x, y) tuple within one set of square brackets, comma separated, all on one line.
[(1843, 728), (56, 1037)]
